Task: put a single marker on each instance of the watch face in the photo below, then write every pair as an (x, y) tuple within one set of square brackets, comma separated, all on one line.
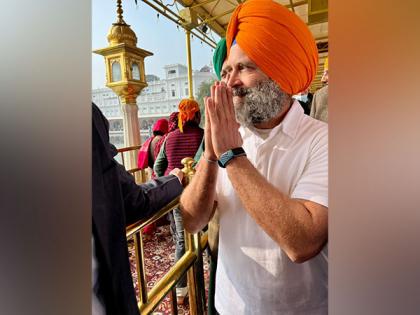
[(238, 151)]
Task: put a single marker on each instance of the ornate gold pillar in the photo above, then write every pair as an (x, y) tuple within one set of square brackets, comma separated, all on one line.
[(125, 75)]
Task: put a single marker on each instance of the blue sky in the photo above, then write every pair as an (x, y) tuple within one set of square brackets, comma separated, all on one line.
[(160, 36)]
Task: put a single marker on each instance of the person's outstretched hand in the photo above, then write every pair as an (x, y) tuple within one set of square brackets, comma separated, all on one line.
[(178, 173)]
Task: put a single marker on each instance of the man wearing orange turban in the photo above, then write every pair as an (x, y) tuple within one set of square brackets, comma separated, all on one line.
[(278, 42), (180, 143), (266, 165), (187, 112)]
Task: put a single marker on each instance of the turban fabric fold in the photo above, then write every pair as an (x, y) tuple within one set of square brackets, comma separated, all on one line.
[(219, 56), (326, 64), (187, 109), (277, 41)]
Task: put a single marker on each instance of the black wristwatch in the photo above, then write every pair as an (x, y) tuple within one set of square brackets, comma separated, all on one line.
[(226, 157)]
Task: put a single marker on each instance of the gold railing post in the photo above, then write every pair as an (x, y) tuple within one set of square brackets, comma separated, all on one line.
[(141, 272), (191, 263), (174, 304), (189, 63), (191, 277), (193, 244), (188, 169)]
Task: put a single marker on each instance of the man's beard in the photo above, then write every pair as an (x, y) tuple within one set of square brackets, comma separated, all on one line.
[(260, 103)]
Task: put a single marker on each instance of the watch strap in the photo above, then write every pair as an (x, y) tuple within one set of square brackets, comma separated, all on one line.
[(226, 157)]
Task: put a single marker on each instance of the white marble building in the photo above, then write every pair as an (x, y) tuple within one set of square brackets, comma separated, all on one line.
[(156, 101)]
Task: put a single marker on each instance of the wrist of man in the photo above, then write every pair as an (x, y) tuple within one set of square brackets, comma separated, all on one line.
[(210, 157), (236, 162), (210, 160)]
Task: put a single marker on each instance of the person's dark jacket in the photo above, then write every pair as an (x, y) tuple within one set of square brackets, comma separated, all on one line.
[(118, 201), (307, 105)]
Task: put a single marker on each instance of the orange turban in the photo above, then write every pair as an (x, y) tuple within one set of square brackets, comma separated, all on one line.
[(187, 109), (277, 41)]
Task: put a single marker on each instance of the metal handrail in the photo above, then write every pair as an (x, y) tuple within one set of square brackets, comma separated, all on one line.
[(137, 226), (125, 149), (168, 282), (191, 262), (138, 173)]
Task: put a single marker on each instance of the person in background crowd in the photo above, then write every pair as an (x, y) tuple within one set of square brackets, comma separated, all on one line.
[(117, 201), (305, 99), (161, 160), (266, 164), (319, 108), (180, 143), (146, 157), (161, 164)]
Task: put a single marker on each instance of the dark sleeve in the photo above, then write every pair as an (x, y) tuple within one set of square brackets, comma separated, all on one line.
[(314, 105), (112, 184), (310, 97), (145, 199)]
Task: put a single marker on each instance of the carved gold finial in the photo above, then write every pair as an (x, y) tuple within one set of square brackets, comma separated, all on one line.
[(120, 32), (188, 169), (120, 11)]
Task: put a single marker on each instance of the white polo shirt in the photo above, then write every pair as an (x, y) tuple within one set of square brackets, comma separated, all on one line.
[(254, 275)]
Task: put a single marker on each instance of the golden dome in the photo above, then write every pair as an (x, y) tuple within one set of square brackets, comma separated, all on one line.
[(121, 32)]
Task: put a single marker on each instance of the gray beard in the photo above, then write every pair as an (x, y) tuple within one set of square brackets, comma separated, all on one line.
[(260, 103)]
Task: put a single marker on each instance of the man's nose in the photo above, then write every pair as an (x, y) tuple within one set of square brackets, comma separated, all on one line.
[(233, 79)]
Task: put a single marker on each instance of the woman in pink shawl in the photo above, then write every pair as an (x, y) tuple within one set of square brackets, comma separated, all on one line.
[(173, 124), (150, 150), (146, 156)]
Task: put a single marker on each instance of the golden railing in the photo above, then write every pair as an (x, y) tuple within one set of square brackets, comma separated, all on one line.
[(140, 175), (191, 262)]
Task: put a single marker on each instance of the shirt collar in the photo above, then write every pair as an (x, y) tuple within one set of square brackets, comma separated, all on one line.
[(289, 125)]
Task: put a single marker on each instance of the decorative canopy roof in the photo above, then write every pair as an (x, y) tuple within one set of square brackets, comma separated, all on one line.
[(204, 17)]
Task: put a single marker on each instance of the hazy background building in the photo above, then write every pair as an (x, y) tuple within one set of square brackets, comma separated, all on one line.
[(158, 100)]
